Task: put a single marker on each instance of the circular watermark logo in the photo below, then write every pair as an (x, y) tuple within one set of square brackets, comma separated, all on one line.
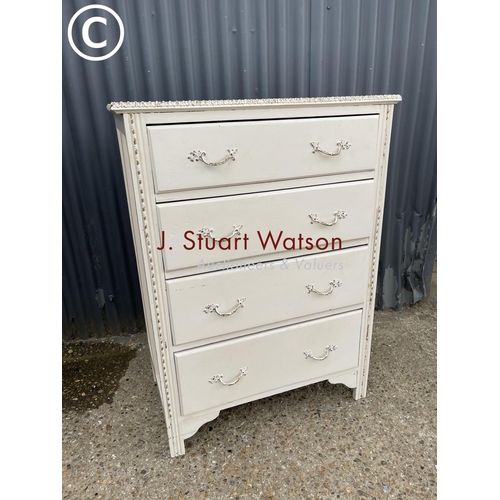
[(86, 37)]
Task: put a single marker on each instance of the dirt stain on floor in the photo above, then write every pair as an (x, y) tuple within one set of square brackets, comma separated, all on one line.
[(91, 372)]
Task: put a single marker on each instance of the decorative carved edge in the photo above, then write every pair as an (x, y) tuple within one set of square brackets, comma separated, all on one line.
[(369, 319), (145, 228), (374, 263), (191, 426), (155, 106), (349, 379)]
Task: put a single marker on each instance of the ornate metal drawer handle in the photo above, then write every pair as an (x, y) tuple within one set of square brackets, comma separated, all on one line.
[(198, 155), (328, 348), (214, 308), (208, 232), (337, 215), (333, 284), (218, 378), (341, 145)]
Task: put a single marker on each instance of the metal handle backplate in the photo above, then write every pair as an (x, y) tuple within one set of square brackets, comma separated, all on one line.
[(219, 376), (337, 215), (329, 349), (208, 232), (333, 284), (215, 308), (198, 155), (341, 146)]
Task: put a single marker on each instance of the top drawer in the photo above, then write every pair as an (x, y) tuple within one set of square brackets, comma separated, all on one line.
[(266, 151)]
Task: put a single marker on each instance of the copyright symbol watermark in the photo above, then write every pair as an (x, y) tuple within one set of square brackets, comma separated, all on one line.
[(86, 34)]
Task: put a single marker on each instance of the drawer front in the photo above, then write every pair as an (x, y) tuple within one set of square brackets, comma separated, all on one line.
[(271, 223), (272, 292), (272, 360), (266, 151)]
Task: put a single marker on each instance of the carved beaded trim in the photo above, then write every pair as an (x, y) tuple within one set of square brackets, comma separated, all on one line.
[(372, 278), (150, 260), (164, 105)]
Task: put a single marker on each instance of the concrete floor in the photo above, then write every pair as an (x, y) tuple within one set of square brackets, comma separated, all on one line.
[(315, 442)]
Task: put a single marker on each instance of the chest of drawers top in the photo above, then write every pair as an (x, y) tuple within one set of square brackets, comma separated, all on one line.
[(254, 183)]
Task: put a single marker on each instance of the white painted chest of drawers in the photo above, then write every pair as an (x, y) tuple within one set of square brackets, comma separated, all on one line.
[(256, 227)]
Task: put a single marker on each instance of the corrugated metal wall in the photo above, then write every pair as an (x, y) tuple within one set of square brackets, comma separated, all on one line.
[(231, 49)]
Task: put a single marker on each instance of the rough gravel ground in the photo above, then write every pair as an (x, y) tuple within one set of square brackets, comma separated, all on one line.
[(311, 443)]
